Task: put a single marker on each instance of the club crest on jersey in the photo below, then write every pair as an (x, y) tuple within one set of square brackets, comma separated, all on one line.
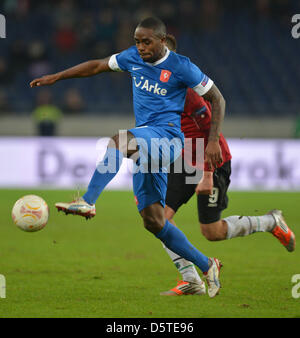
[(165, 75)]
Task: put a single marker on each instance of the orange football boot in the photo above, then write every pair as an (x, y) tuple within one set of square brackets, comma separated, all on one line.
[(282, 232), (186, 288)]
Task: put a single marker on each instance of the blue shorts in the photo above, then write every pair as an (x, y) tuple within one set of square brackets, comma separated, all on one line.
[(158, 148)]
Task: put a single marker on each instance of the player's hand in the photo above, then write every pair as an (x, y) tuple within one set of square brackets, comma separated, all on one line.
[(213, 154), (46, 80), (206, 184)]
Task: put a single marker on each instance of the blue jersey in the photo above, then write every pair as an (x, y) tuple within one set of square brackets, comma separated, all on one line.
[(159, 88)]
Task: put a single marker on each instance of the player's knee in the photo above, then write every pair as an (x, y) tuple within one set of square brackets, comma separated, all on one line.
[(126, 144), (169, 213), (152, 223), (210, 232), (114, 142)]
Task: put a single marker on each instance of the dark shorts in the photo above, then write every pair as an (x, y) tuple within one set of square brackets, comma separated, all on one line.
[(211, 206)]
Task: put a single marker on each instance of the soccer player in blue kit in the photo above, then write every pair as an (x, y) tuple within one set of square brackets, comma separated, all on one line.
[(160, 79)]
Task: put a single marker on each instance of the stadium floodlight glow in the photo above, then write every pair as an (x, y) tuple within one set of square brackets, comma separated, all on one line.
[(2, 27)]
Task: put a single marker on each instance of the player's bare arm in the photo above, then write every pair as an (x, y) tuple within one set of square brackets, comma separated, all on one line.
[(213, 151), (206, 184), (85, 69)]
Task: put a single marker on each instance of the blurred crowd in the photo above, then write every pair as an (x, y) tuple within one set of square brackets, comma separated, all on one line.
[(245, 46)]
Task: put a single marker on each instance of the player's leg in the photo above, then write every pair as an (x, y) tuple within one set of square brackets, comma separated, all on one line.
[(109, 166), (211, 206), (150, 190), (272, 222), (178, 193), (215, 229), (191, 283), (106, 170), (175, 240), (239, 226), (169, 214)]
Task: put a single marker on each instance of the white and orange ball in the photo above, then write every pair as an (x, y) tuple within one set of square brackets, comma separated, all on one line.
[(30, 213)]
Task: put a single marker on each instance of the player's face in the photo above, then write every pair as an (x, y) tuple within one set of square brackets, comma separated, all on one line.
[(150, 47)]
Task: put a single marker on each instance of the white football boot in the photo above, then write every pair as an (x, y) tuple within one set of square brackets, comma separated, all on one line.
[(212, 277), (77, 207)]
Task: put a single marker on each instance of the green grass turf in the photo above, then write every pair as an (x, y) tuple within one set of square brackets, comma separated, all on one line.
[(111, 267)]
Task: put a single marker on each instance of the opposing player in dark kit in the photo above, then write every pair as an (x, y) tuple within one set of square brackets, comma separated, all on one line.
[(211, 195)]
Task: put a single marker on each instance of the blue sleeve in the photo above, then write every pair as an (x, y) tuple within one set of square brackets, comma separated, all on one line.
[(124, 59), (191, 75)]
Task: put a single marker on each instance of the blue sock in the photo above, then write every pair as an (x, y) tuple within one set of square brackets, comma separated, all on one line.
[(105, 172), (176, 241)]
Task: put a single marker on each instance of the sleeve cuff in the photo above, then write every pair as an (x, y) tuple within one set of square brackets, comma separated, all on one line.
[(203, 87), (113, 64)]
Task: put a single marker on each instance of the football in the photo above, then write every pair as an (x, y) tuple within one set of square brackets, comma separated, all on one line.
[(30, 213)]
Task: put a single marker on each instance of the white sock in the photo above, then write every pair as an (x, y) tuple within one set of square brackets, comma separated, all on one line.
[(246, 225), (185, 268)]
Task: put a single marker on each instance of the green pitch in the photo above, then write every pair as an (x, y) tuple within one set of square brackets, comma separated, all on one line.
[(111, 267)]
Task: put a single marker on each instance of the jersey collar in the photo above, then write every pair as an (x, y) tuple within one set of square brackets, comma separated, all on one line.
[(160, 60)]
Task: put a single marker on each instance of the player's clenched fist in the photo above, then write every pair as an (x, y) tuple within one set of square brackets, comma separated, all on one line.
[(44, 81)]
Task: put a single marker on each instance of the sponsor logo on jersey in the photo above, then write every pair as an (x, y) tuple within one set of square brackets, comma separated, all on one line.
[(147, 86), (165, 75)]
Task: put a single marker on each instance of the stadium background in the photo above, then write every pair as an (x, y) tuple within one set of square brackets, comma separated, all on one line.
[(111, 267), (246, 47)]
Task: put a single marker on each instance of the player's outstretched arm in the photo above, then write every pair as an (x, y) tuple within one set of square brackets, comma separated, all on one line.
[(213, 153), (84, 69)]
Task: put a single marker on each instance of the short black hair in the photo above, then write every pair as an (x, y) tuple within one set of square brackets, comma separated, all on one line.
[(154, 23), (171, 42)]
